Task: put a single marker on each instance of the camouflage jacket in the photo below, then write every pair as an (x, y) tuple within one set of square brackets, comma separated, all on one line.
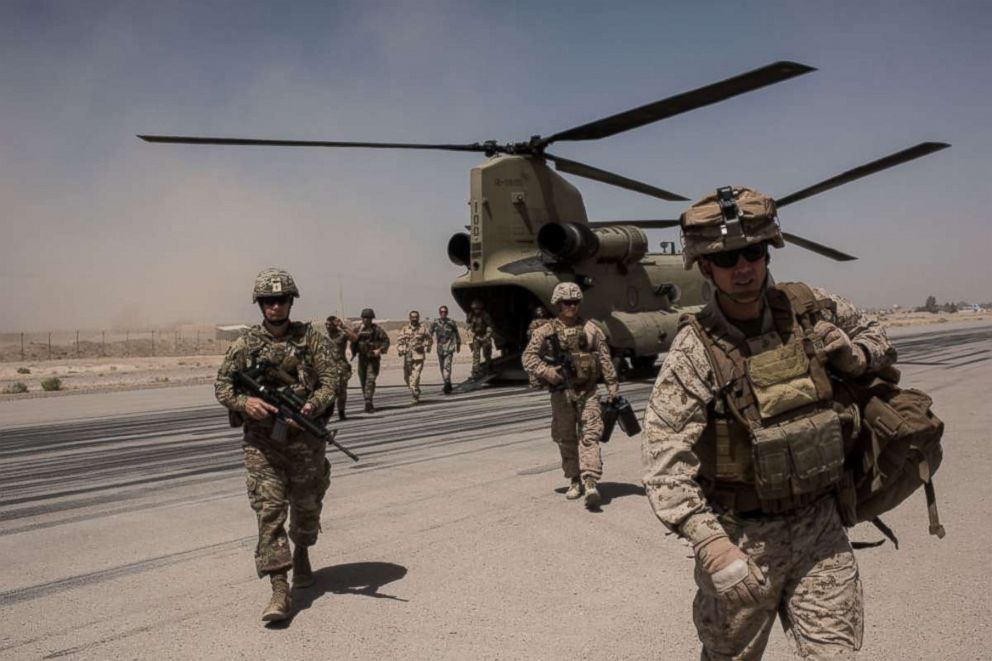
[(677, 414), (598, 346), (414, 341), (316, 371), (445, 331), (339, 349), (481, 326), (534, 325), (369, 339)]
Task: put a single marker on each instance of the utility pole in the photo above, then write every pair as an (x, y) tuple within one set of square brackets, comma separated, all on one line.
[(341, 313)]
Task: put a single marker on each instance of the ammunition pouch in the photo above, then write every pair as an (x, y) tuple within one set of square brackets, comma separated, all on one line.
[(586, 368), (780, 380), (797, 461)]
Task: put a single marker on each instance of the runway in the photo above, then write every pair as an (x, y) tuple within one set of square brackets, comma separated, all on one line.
[(126, 533)]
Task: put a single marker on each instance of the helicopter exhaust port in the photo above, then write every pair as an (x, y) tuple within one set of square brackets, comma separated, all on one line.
[(459, 249), (574, 242)]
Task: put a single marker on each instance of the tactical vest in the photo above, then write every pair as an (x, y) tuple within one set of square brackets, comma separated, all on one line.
[(477, 323), (368, 340), (775, 438), (579, 341)]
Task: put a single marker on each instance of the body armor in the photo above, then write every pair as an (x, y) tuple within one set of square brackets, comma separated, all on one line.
[(370, 339), (578, 340), (776, 437)]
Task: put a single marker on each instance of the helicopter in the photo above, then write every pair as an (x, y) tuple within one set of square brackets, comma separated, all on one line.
[(528, 230)]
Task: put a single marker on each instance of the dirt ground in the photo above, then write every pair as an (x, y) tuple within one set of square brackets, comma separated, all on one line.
[(100, 374)]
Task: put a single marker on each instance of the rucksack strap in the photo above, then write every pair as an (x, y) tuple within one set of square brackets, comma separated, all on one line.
[(935, 527)]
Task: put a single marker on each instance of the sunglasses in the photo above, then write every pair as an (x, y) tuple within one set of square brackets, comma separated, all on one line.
[(570, 302), (728, 259), (269, 301)]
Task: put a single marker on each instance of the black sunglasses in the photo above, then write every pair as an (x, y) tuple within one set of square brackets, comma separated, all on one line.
[(274, 300), (728, 259)]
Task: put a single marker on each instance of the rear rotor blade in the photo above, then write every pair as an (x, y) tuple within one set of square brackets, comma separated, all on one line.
[(644, 224), (818, 248), (680, 103), (474, 147), (922, 149), (596, 174)]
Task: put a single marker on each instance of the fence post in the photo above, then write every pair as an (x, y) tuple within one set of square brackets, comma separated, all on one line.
[(77, 344), (103, 343), (153, 342), (127, 343), (49, 345), (196, 349), (22, 346)]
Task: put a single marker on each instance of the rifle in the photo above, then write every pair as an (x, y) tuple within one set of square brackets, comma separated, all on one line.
[(555, 356), (288, 403)]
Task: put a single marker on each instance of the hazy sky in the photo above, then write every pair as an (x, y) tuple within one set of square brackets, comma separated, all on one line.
[(101, 228)]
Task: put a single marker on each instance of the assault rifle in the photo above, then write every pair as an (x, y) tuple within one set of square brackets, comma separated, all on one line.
[(552, 354), (288, 402)]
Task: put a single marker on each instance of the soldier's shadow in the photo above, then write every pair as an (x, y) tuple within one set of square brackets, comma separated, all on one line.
[(610, 490), (358, 578)]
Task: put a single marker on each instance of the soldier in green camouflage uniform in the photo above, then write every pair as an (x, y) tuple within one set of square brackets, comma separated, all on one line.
[(369, 345), (744, 443), (340, 335), (449, 342), (413, 345), (481, 325), (288, 473), (576, 416)]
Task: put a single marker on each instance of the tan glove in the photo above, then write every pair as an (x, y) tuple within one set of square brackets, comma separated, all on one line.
[(736, 578), (842, 353), (612, 392)]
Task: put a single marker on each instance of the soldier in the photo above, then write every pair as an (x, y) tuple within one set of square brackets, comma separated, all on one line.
[(340, 334), (449, 342), (414, 343), (744, 440), (481, 325), (576, 417), (287, 475), (369, 344), (540, 318)]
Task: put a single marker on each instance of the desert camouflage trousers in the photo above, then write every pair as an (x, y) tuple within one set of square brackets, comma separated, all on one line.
[(368, 372), (482, 350), (444, 360), (412, 369), (813, 586), (576, 427), (289, 482)]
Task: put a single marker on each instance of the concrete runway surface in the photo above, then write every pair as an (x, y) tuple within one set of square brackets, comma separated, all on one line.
[(126, 533)]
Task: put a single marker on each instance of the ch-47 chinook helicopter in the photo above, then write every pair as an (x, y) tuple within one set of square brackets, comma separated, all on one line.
[(528, 230)]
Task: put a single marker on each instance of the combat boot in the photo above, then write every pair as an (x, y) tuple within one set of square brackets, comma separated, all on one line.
[(369, 408), (280, 603), (593, 499), (447, 387), (302, 572), (574, 489)]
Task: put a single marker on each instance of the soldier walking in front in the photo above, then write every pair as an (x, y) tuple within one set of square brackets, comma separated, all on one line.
[(288, 473), (744, 440), (576, 416), (413, 345), (340, 335), (369, 345), (481, 325), (449, 342)]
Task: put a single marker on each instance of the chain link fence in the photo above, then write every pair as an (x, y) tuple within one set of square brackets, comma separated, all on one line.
[(61, 345)]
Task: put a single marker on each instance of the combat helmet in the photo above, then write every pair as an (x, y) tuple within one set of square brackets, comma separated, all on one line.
[(566, 291), (728, 219), (476, 304), (274, 282), (368, 313)]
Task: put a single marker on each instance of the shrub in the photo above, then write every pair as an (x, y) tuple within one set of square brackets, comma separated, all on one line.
[(15, 388), (51, 383), (23, 370)]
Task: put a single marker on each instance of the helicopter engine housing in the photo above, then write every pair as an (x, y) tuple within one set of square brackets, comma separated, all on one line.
[(575, 242), (459, 247)]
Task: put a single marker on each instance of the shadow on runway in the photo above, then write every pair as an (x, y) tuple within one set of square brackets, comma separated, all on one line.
[(610, 490), (359, 578)]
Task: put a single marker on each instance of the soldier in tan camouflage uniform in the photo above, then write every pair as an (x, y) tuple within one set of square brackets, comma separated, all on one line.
[(576, 416), (414, 343), (287, 474), (481, 325), (449, 342), (744, 441), (540, 318), (340, 335), (369, 345)]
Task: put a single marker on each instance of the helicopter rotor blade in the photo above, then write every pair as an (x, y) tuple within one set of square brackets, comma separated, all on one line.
[(606, 177), (644, 224), (680, 103), (189, 140), (818, 248), (922, 149)]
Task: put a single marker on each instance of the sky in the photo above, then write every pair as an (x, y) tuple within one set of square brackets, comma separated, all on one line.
[(101, 230)]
